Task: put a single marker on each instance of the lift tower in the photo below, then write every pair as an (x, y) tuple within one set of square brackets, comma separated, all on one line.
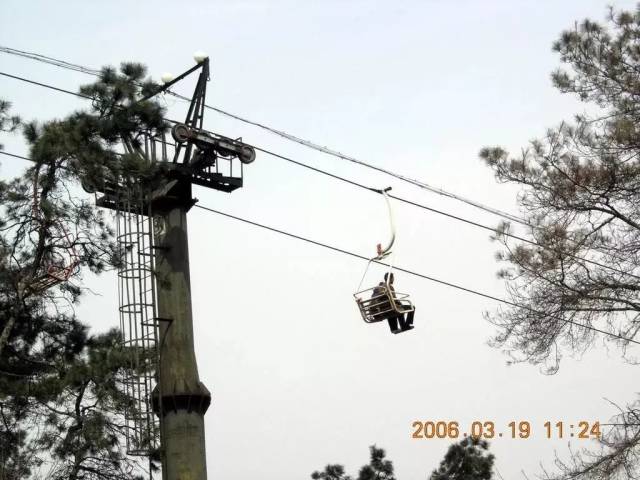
[(154, 282)]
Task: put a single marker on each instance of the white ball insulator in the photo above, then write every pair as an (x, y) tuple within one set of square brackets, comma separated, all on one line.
[(200, 56), (167, 77)]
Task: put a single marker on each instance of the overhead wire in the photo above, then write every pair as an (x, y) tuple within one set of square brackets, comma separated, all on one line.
[(421, 206), (45, 85), (416, 274), (337, 154), (50, 60), (404, 178), (2, 152), (401, 269), (440, 212), (309, 144), (359, 185), (293, 138), (83, 69)]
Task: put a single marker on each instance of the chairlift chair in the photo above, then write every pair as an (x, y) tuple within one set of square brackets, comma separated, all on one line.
[(381, 302), (375, 308)]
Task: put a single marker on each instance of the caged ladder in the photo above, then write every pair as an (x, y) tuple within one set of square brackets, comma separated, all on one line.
[(138, 319)]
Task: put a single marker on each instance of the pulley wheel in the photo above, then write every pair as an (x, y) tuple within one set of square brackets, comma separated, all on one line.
[(247, 154), (180, 133)]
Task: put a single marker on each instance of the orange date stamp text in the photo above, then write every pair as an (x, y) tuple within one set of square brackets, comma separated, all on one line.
[(522, 429)]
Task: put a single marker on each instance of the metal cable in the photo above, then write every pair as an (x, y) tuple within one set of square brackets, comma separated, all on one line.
[(307, 143), (417, 274)]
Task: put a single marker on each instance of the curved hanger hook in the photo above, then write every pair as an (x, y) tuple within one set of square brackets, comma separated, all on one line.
[(384, 252)]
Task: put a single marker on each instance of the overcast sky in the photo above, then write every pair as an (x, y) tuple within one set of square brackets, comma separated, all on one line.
[(418, 87)]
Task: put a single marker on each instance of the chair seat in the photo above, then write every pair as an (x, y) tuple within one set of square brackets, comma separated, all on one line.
[(380, 303)]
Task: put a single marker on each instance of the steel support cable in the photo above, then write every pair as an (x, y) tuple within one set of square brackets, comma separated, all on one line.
[(354, 183), (287, 136), (418, 205), (416, 274), (80, 68), (51, 87), (410, 272), (337, 177), (50, 60), (2, 152), (440, 212), (370, 166), (83, 69), (69, 92)]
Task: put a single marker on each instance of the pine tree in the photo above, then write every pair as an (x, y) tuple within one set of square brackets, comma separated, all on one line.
[(378, 468), (46, 353), (466, 460), (8, 123), (580, 193), (83, 406)]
